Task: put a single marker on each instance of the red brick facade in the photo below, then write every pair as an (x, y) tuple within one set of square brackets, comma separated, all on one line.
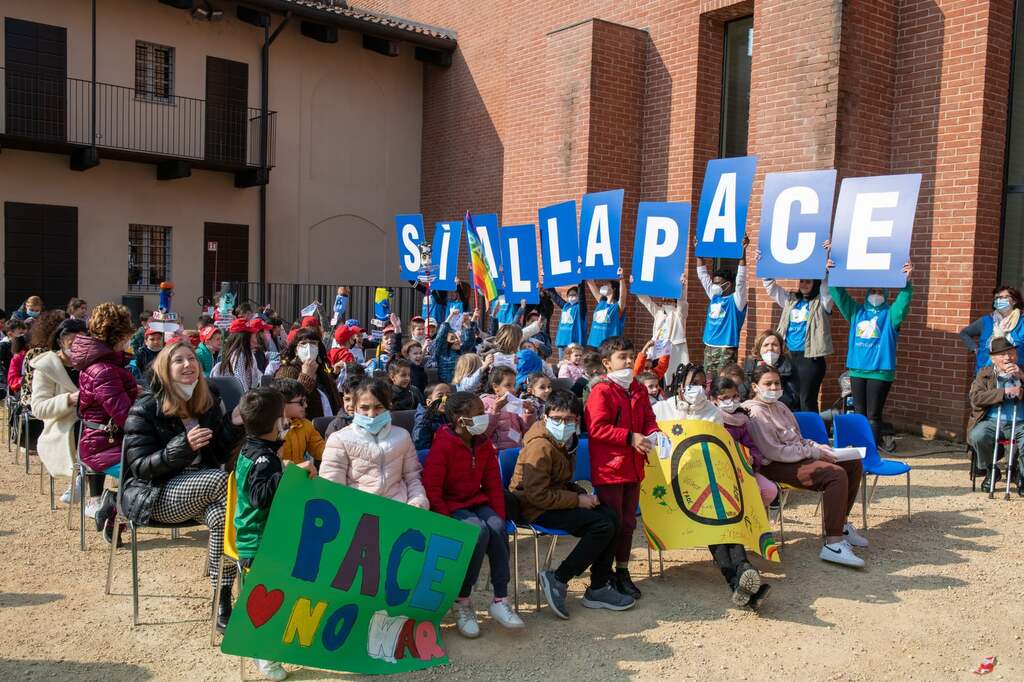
[(552, 99)]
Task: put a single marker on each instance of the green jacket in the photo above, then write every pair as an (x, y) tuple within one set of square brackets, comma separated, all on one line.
[(205, 357), (257, 474), (848, 307)]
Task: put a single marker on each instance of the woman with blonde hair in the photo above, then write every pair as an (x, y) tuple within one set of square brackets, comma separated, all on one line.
[(177, 440), (469, 371)]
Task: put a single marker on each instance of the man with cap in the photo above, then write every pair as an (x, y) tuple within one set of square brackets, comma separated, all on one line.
[(210, 341), (995, 395)]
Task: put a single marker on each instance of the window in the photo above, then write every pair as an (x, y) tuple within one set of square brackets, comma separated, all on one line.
[(149, 257), (738, 53), (154, 72)]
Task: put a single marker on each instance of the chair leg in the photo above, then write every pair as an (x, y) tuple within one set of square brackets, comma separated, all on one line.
[(110, 556), (871, 498), (515, 570), (864, 500), (782, 517), (42, 478), (650, 561), (135, 574), (536, 568), (81, 512), (174, 533), (53, 497), (71, 502), (551, 553), (661, 563), (908, 496), (213, 601)]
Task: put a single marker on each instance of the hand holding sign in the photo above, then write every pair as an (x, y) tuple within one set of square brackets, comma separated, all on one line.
[(795, 218)]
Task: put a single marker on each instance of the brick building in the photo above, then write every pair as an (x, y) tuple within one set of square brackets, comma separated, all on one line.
[(553, 99)]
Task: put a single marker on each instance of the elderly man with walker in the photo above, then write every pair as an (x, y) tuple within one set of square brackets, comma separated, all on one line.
[(995, 407)]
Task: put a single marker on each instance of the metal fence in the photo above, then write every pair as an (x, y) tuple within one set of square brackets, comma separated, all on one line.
[(288, 299), (55, 110)]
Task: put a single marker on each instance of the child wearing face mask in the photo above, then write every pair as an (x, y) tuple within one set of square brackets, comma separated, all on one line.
[(462, 480), (620, 420), (608, 311), (736, 419), (372, 455), (431, 417), (769, 349), (258, 473), (510, 416), (727, 310), (688, 401), (572, 321), (651, 384)]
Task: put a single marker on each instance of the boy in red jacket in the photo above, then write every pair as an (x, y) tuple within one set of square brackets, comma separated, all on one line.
[(462, 480), (619, 418)]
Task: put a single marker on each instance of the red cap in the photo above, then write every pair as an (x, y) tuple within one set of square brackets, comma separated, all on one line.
[(256, 325), (343, 334), (310, 321), (207, 333), (291, 336), (238, 326), (150, 330)]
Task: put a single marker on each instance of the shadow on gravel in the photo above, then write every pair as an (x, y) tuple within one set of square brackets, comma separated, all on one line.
[(12, 599), (70, 670)]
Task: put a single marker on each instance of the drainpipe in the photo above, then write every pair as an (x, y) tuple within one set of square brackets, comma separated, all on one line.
[(93, 138), (268, 39)]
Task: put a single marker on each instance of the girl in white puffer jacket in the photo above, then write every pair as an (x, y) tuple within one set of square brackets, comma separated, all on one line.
[(372, 455)]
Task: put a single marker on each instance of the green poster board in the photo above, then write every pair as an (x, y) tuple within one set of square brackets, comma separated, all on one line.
[(348, 581)]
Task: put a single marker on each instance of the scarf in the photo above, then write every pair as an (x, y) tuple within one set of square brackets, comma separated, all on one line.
[(1002, 326)]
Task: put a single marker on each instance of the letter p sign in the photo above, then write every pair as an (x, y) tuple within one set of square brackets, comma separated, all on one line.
[(659, 251)]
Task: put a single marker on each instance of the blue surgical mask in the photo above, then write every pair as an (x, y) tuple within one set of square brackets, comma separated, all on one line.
[(1001, 303), (560, 430), (32, 313), (372, 424)]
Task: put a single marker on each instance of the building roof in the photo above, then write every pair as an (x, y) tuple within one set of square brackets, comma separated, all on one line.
[(373, 23)]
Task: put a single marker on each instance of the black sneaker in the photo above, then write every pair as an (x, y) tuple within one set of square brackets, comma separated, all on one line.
[(624, 583), (107, 511), (555, 592), (758, 597), (224, 608), (748, 582), (607, 597), (988, 484)]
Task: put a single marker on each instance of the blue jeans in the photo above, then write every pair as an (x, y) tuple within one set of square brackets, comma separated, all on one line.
[(493, 542)]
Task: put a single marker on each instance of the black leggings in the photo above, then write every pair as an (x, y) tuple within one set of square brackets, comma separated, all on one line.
[(729, 559), (869, 397), (96, 482), (809, 372)]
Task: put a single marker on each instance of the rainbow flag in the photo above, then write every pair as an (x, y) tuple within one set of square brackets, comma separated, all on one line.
[(482, 279)]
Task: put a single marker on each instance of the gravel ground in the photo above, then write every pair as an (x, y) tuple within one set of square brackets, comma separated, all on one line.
[(938, 594)]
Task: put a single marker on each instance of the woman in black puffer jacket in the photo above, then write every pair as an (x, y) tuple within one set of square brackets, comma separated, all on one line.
[(177, 440)]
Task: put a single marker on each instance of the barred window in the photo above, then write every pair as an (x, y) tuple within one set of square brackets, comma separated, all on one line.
[(154, 72), (149, 257)]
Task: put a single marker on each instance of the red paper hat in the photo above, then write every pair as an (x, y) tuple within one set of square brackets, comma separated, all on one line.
[(150, 330), (344, 334), (310, 321), (207, 333), (291, 336), (256, 325), (239, 326)]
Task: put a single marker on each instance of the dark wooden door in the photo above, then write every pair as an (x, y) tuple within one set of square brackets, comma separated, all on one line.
[(40, 253), (227, 100), (36, 79), (229, 260)]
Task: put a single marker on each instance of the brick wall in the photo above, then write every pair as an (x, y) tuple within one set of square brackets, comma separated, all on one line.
[(528, 113)]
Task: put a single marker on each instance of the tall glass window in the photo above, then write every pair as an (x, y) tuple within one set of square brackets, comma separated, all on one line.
[(736, 63), (1012, 265)]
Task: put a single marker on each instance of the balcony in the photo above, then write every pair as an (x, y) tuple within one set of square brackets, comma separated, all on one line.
[(44, 113)]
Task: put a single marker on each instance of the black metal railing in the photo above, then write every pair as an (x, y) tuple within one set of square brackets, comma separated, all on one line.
[(288, 299), (58, 110)]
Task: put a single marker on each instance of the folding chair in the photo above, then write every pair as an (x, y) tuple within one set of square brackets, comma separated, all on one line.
[(812, 427), (853, 430), (230, 390), (133, 528)]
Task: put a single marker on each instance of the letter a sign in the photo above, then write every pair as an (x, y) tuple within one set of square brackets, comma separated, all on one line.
[(722, 212)]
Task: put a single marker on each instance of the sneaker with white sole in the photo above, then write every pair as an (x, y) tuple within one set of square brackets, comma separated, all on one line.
[(66, 497), (607, 597), (854, 538), (748, 582), (503, 613), (841, 553), (271, 670), (555, 591), (465, 619), (92, 505)]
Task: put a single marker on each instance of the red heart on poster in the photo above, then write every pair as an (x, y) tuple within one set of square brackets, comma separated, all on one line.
[(262, 605)]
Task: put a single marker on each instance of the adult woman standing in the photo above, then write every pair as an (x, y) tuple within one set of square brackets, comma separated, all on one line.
[(871, 357), (806, 329), (237, 358), (177, 440), (54, 401), (789, 458), (1004, 321), (107, 390), (769, 349), (305, 359)]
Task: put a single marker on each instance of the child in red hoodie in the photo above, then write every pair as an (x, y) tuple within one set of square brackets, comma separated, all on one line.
[(619, 418), (462, 480)]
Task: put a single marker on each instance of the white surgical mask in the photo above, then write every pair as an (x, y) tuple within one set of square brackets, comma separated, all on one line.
[(694, 395), (478, 424), (770, 357), (770, 396), (604, 291), (729, 406), (876, 299), (185, 390), (622, 377), (716, 290), (560, 430), (283, 427), (572, 300), (306, 351)]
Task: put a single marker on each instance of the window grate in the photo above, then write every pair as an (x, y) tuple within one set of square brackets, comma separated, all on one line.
[(149, 257), (154, 72)]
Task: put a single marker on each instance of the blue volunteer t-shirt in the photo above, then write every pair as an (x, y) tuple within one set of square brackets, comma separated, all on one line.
[(505, 312), (570, 326), (724, 319), (796, 331), (432, 310), (605, 322), (872, 345)]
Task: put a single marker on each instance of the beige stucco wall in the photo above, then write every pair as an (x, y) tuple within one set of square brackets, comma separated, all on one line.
[(347, 152)]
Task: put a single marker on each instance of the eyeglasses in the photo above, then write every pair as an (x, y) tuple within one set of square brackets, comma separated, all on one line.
[(300, 401)]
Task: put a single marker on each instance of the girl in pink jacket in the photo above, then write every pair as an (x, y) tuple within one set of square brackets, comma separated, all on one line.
[(372, 455), (510, 416)]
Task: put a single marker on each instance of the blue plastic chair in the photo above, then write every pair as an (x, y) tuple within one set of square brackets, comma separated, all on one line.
[(582, 470), (421, 455), (812, 426), (854, 431)]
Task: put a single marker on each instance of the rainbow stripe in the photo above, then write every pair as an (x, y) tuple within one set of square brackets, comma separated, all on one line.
[(482, 279)]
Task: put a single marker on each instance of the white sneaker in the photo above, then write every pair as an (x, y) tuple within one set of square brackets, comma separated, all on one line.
[(465, 619), (271, 670), (852, 537), (92, 505), (67, 497), (503, 613), (841, 553)]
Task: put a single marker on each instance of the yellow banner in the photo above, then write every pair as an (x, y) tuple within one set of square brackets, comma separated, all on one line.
[(699, 490)]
